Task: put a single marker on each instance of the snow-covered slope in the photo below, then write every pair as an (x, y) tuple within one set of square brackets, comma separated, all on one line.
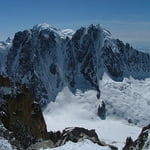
[(83, 145), (81, 110), (129, 99)]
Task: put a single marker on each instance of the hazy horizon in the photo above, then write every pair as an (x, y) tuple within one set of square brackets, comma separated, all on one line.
[(127, 20)]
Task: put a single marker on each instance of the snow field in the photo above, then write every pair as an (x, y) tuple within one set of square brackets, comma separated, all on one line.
[(81, 110)]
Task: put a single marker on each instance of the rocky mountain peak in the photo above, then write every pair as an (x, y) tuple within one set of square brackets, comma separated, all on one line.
[(46, 60)]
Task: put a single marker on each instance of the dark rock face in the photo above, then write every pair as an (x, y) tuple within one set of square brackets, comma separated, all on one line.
[(20, 114), (129, 144), (141, 143), (112, 63), (25, 116), (85, 52), (53, 69), (4, 81), (102, 111), (5, 88), (25, 64)]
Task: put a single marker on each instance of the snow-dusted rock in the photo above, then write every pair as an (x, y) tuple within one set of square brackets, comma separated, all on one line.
[(76, 134), (141, 143)]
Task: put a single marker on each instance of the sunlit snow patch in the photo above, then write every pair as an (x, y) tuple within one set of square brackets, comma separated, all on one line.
[(83, 145)]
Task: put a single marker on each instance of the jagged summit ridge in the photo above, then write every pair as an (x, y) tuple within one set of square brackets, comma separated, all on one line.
[(69, 32)]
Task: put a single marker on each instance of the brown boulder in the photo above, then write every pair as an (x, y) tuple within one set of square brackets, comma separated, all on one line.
[(23, 109), (22, 115)]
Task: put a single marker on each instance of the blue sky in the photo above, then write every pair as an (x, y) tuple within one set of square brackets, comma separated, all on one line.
[(128, 20)]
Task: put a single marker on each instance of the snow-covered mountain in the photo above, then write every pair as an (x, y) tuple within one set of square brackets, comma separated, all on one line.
[(47, 59)]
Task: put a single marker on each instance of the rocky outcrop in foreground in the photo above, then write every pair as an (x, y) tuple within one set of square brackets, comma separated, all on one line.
[(141, 143), (24, 125), (76, 134), (20, 114)]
